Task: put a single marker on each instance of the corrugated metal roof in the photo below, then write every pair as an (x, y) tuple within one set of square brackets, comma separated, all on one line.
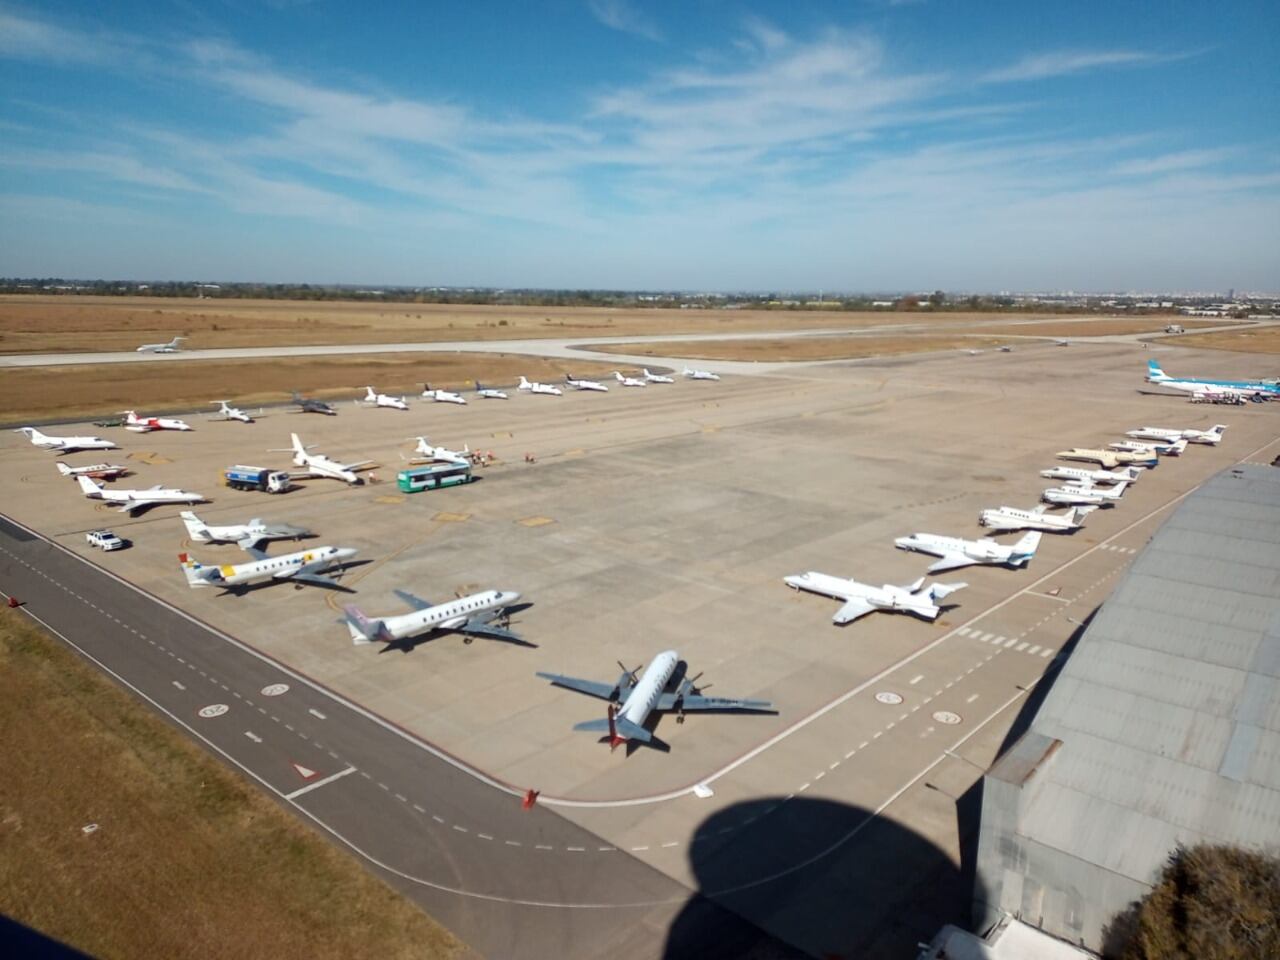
[(1169, 708)]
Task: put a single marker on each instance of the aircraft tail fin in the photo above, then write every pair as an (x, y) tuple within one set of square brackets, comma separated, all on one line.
[(369, 394), (940, 591), (63, 469), (619, 729), (194, 527), (1154, 371), (197, 573), (89, 486), (1026, 547), (363, 630)]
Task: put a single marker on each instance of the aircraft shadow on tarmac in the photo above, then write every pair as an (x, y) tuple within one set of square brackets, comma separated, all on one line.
[(824, 879)]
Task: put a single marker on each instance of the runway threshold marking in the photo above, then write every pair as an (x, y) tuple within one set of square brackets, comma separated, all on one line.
[(319, 783)]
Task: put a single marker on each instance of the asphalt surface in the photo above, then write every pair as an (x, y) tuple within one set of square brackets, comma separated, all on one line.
[(525, 889)]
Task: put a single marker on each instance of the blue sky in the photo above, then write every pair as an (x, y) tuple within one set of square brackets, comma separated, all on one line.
[(697, 144)]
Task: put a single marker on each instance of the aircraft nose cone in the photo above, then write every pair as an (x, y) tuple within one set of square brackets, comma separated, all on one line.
[(510, 596), (342, 553), (903, 542)]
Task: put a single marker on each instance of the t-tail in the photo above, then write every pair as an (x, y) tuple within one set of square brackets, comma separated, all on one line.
[(1154, 372), (299, 451), (195, 529), (35, 435), (619, 729), (524, 384), (370, 396), (198, 575), (363, 630), (1025, 549), (64, 469), (90, 488)]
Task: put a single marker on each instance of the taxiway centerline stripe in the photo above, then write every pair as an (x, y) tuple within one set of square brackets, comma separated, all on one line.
[(319, 783)]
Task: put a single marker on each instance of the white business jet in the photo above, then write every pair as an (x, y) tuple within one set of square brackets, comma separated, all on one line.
[(97, 471), (1011, 518), (130, 501), (305, 566), (1084, 495), (147, 424), (700, 374), (225, 412), (318, 465), (1125, 474), (170, 347), (65, 444), (244, 535), (442, 396), (487, 393), (629, 381), (656, 377), (956, 552), (544, 388), (478, 615), (427, 453), (577, 384), (862, 598), (632, 699), (1173, 449), (374, 399), (1211, 436), (1110, 459)]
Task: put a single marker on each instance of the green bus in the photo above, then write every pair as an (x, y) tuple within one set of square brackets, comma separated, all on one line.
[(432, 475)]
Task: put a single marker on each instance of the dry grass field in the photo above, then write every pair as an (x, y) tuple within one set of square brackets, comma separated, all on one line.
[(1257, 340), (802, 348), (53, 324), (99, 390), (1106, 327), (188, 860)]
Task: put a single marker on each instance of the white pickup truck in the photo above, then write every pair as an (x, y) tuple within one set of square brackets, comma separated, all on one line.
[(105, 539)]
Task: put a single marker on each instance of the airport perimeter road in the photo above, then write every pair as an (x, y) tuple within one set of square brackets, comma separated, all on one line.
[(510, 882)]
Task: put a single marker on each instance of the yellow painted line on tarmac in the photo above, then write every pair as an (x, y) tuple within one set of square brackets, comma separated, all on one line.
[(451, 517), (535, 521), (390, 499)]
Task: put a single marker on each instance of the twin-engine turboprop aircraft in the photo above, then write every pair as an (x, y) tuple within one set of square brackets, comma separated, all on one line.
[(245, 535), (1011, 518), (662, 687), (863, 598)]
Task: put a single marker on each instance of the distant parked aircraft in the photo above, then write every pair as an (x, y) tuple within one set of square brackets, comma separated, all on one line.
[(1011, 518), (477, 615), (244, 535), (577, 384), (957, 553), (485, 393), (1156, 375), (1084, 495), (699, 374), (632, 699), (1092, 476), (656, 377), (544, 388), (375, 399), (1211, 436), (147, 424), (318, 465), (442, 396), (96, 471), (1109, 458), (1173, 449), (65, 444), (863, 598), (428, 453), (629, 381), (131, 501), (225, 412), (311, 405), (170, 347), (305, 566)]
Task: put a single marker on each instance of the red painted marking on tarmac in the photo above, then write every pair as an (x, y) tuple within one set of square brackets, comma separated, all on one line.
[(306, 773)]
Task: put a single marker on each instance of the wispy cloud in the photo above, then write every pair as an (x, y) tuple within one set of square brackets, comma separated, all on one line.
[(623, 16), (1171, 162), (1060, 63)]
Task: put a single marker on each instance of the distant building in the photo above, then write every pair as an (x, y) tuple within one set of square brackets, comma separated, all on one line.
[(1163, 727)]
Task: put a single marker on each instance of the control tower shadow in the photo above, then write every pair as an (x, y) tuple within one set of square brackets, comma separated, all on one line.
[(814, 877)]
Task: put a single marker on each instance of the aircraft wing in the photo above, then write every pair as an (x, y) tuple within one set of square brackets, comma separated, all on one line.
[(951, 561), (357, 465), (698, 702), (852, 610), (253, 551), (482, 628), (416, 602), (307, 576), (592, 688)]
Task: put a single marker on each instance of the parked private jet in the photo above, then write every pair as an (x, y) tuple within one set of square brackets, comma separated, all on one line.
[(656, 377), (311, 405), (147, 424), (1127, 474), (65, 444), (1109, 458), (1211, 436), (374, 399), (1084, 495), (442, 396), (477, 615), (305, 566), (1192, 384), (535, 387), (577, 384), (486, 393), (96, 471), (225, 412), (318, 465), (956, 553), (428, 454), (170, 347), (1004, 519), (244, 535), (862, 598), (662, 687), (1173, 449), (629, 381), (699, 374), (130, 501)]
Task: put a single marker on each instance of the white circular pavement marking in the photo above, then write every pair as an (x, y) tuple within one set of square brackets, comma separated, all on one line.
[(213, 710), (275, 689), (946, 716), (887, 696)]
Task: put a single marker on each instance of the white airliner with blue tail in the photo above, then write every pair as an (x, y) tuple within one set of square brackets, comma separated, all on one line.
[(1268, 389)]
